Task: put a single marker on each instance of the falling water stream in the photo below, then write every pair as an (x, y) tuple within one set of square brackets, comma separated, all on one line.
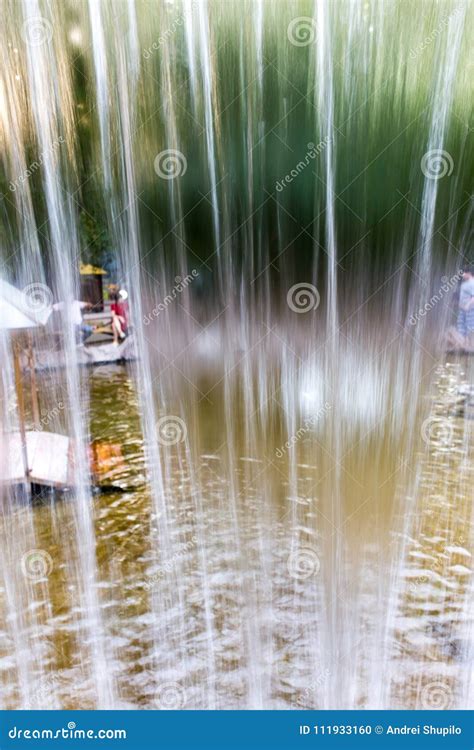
[(284, 190)]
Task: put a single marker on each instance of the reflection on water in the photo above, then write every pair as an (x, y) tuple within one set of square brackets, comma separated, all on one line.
[(306, 567), (300, 535)]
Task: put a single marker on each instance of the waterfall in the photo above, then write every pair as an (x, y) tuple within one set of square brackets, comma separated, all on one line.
[(279, 515)]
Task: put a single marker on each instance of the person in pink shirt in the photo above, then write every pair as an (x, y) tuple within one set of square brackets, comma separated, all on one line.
[(120, 316)]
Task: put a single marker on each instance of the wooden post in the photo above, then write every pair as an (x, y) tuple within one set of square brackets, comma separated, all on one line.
[(21, 401), (34, 388)]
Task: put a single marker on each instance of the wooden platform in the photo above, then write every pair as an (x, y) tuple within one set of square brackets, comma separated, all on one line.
[(94, 354), (49, 459)]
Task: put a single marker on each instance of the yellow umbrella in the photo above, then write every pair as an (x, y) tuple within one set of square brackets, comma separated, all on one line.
[(90, 270)]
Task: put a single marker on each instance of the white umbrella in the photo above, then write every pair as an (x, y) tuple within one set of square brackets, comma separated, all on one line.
[(18, 310)]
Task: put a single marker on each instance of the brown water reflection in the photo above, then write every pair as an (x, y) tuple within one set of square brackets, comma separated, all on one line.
[(332, 572)]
